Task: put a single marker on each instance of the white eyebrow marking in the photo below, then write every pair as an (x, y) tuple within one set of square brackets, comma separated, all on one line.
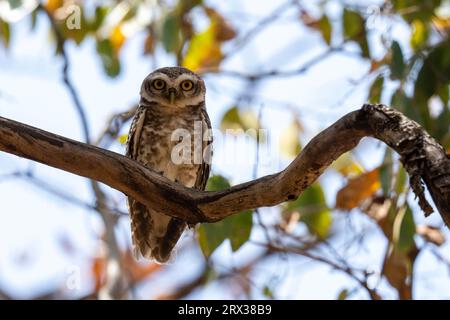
[(184, 77), (160, 75)]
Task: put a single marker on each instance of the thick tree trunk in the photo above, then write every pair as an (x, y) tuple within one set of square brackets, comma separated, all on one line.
[(424, 159)]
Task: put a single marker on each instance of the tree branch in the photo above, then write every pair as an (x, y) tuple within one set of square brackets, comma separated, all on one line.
[(424, 159)]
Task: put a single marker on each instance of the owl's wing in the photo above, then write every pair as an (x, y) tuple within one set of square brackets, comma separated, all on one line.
[(134, 134), (205, 168)]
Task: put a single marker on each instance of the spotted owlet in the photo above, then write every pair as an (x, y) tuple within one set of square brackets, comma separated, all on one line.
[(171, 114)]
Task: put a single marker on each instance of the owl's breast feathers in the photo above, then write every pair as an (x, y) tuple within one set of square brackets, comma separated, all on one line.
[(150, 143)]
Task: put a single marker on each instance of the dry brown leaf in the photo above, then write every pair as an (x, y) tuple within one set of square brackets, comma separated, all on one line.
[(308, 20), (378, 208), (223, 30), (149, 46), (431, 234), (358, 189), (398, 269)]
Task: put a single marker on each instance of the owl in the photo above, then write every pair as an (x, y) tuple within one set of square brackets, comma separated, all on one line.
[(164, 137)]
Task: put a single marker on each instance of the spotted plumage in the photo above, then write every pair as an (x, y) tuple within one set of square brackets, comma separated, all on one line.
[(169, 134)]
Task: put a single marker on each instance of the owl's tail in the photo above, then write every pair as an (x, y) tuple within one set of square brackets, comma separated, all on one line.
[(154, 234)]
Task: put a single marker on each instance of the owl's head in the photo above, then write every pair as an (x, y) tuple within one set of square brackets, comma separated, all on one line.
[(173, 87)]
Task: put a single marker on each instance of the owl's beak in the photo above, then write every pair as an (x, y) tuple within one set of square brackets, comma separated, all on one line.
[(172, 94)]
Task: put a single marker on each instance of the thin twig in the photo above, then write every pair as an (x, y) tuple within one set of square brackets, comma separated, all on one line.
[(344, 268), (276, 73), (65, 72)]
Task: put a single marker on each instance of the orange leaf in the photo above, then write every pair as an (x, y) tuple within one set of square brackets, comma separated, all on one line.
[(98, 271), (358, 189), (442, 24), (138, 271), (53, 5)]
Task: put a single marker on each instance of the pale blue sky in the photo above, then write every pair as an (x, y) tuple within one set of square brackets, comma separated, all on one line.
[(35, 223)]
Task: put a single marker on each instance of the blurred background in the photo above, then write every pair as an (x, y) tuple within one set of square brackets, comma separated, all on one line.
[(286, 68)]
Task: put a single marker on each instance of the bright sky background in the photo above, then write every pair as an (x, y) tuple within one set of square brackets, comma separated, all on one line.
[(35, 224)]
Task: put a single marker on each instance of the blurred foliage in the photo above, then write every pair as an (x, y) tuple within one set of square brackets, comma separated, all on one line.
[(236, 228), (412, 75), (312, 211)]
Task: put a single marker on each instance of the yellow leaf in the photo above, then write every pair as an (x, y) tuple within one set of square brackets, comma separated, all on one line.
[(289, 140), (419, 35), (204, 51), (347, 166), (117, 38), (123, 138), (358, 189)]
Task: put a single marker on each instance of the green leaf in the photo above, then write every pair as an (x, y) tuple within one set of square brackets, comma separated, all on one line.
[(416, 9), (434, 74), (404, 229), (386, 172), (354, 29), (217, 182), (14, 4), (236, 228), (183, 7), (325, 28), (397, 64), (99, 18), (353, 23), (235, 119), (171, 33), (442, 123), (34, 15), (444, 94), (343, 295), (231, 119), (210, 236), (313, 211), (376, 90), (240, 226), (400, 180), (5, 33), (404, 104), (268, 292), (110, 61)]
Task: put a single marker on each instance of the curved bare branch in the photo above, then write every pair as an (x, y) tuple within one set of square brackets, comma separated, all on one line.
[(424, 159)]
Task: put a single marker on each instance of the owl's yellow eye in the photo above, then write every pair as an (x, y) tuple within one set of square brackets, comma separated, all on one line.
[(158, 84), (187, 85)]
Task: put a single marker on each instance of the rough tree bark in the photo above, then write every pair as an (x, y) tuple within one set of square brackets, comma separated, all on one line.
[(424, 159)]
